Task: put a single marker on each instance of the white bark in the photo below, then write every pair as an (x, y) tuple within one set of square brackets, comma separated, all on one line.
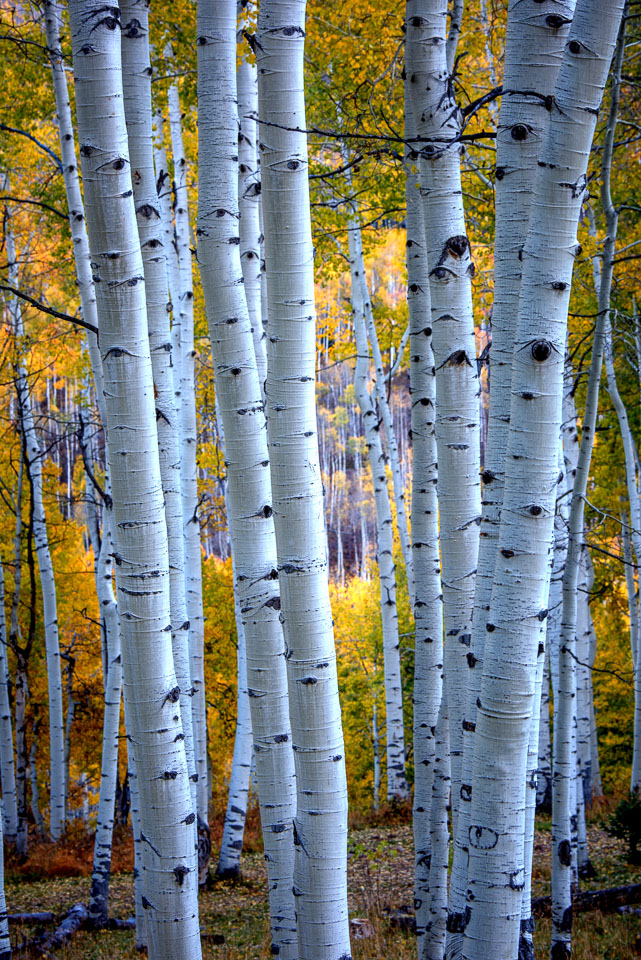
[(428, 602), (522, 123), (142, 937), (77, 223), (544, 768), (526, 937), (321, 817), (249, 497), (138, 115), (163, 187), (22, 654), (231, 844), (434, 940), (5, 943), (34, 465), (565, 707), (184, 368), (155, 728), (521, 577), (635, 643), (7, 768), (396, 782), (101, 873), (457, 411), (386, 417), (249, 208)]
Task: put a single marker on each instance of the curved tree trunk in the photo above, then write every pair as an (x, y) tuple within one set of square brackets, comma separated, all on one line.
[(151, 691), (320, 829)]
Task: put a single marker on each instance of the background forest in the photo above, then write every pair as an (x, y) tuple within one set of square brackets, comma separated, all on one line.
[(358, 169)]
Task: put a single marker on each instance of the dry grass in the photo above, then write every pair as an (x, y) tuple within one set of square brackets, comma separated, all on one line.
[(234, 914)]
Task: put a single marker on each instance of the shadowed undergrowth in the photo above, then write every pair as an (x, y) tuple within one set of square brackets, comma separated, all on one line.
[(234, 917)]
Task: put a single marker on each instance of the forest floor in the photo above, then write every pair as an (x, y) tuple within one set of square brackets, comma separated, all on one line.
[(234, 916)]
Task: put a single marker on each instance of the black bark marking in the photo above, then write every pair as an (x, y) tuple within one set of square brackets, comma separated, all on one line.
[(564, 853), (541, 350)]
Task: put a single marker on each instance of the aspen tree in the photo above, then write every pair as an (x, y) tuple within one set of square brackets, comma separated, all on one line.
[(103, 551), (22, 652), (5, 942), (565, 706), (136, 70), (248, 496), (635, 644), (7, 767), (249, 207), (77, 222), (231, 844), (435, 932), (544, 765), (450, 267), (320, 832), (184, 357), (396, 782), (521, 579), (522, 123), (428, 603), (151, 691), (386, 417), (34, 461), (98, 902)]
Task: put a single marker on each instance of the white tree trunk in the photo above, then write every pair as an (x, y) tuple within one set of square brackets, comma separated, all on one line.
[(522, 123), (635, 644), (184, 369), (231, 844), (77, 223), (565, 707), (521, 579), (321, 818), (7, 768), (34, 465), (151, 691), (386, 417), (5, 943), (249, 498), (428, 602), (544, 768), (450, 268), (395, 741), (138, 115), (249, 208), (434, 941), (526, 936), (101, 873)]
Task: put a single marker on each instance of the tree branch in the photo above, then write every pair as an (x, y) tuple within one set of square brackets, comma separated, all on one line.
[(77, 321)]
